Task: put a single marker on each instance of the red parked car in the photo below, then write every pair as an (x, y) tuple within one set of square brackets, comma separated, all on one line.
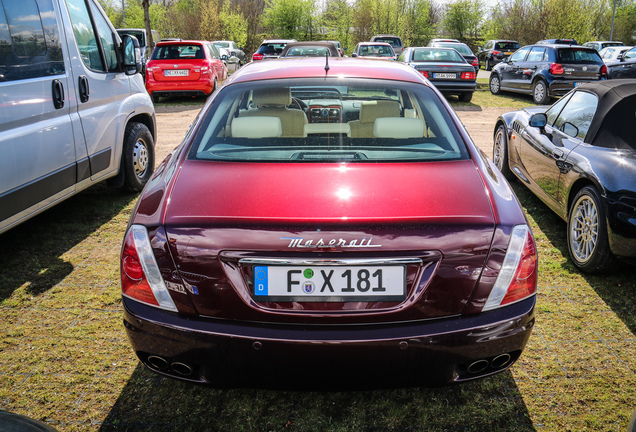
[(184, 68), (328, 225)]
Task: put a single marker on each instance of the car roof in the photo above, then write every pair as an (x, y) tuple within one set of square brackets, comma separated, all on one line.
[(373, 43), (182, 42), (610, 95), (311, 43), (314, 67)]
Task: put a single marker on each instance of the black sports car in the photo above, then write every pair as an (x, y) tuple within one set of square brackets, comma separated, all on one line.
[(579, 157)]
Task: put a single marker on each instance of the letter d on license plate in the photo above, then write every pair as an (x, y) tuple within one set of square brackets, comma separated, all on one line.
[(330, 283)]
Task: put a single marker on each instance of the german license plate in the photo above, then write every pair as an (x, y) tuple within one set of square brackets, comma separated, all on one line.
[(340, 283), (444, 75), (177, 72), (508, 53)]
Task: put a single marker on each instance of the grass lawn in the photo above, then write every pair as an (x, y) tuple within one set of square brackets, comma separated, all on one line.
[(65, 359)]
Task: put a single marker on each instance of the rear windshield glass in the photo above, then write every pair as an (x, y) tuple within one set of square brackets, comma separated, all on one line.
[(463, 49), (376, 51), (578, 55), (308, 51), (437, 55), (394, 42), (178, 52), (327, 120), (271, 48), (507, 45)]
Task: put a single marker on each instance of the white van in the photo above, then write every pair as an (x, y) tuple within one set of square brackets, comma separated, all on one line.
[(73, 107)]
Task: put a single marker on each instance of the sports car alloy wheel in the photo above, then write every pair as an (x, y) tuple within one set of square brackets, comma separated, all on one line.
[(587, 233), (500, 152)]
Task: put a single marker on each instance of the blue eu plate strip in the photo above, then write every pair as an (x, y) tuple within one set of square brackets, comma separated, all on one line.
[(260, 280)]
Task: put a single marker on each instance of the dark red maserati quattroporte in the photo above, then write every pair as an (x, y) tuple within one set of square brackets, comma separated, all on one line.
[(328, 226)]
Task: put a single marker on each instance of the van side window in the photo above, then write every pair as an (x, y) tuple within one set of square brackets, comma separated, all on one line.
[(29, 40), (96, 45)]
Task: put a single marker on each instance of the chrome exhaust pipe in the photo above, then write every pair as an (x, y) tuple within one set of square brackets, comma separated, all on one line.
[(478, 366), (181, 369), (500, 361), (157, 362)]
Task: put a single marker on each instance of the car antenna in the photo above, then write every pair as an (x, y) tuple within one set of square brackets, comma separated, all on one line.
[(326, 62)]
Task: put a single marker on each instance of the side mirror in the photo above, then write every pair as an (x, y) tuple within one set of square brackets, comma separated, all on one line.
[(224, 57), (131, 58), (539, 120), (569, 129)]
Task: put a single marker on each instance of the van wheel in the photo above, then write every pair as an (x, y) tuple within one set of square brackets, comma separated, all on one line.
[(138, 158)]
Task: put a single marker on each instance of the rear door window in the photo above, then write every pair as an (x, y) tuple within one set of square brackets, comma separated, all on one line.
[(536, 54)]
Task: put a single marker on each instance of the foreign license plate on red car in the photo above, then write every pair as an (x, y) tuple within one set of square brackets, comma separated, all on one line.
[(444, 75), (177, 72), (330, 283)]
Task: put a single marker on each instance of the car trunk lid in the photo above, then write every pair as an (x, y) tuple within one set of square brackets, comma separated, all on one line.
[(227, 221)]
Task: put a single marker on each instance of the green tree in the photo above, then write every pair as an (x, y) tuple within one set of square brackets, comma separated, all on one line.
[(290, 19), (337, 20), (463, 19)]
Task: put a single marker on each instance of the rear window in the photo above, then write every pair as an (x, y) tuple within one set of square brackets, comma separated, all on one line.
[(507, 46), (327, 120), (394, 42), (578, 55), (463, 49), (308, 51), (437, 55), (271, 48), (178, 52)]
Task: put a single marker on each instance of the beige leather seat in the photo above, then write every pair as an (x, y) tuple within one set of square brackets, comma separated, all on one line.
[(273, 102), (369, 111)]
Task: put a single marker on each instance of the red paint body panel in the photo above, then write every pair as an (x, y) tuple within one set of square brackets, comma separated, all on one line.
[(209, 192)]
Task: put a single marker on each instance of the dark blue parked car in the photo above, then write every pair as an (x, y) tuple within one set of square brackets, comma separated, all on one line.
[(547, 71)]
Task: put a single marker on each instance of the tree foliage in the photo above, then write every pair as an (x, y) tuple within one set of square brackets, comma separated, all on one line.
[(248, 22)]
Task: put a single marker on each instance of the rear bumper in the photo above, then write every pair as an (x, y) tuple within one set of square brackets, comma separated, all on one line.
[(560, 87), (194, 88), (258, 355), (454, 87)]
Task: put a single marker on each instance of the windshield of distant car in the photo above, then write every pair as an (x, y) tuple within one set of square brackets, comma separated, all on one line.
[(507, 46), (437, 55), (308, 51), (462, 48), (327, 120), (178, 52), (376, 51), (222, 44), (578, 55)]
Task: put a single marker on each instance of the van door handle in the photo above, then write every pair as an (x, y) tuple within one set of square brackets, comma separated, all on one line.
[(82, 82), (58, 93)]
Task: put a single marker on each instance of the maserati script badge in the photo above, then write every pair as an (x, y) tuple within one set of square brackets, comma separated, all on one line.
[(300, 242)]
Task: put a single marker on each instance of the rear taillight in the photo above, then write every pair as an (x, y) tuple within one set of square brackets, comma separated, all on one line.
[(469, 76), (475, 62), (257, 56), (424, 74), (140, 276), (517, 278), (496, 53), (556, 69), (604, 71)]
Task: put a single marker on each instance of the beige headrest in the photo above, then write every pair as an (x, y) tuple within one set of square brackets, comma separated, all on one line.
[(398, 127), (256, 127), (272, 97), (369, 111)]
